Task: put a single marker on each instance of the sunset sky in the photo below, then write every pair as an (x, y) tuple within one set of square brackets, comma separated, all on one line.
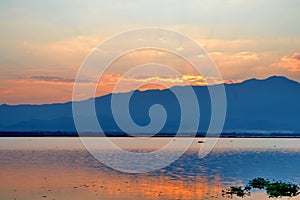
[(43, 43)]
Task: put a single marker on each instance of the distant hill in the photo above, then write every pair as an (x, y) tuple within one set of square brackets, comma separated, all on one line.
[(253, 106)]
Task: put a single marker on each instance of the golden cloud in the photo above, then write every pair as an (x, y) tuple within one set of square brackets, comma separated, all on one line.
[(291, 63)]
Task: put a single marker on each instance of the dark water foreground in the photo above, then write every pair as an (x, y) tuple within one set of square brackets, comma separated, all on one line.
[(61, 168)]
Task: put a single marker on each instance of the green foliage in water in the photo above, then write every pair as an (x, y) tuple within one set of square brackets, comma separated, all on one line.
[(259, 183), (273, 189), (281, 189), (235, 190)]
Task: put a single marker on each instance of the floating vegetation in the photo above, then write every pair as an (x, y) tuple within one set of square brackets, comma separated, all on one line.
[(237, 191), (273, 189), (280, 189), (259, 183)]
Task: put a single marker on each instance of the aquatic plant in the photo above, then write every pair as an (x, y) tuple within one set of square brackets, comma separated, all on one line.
[(235, 190), (273, 189), (259, 183), (281, 189)]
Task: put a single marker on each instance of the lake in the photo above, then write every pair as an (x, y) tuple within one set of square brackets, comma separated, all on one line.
[(61, 168)]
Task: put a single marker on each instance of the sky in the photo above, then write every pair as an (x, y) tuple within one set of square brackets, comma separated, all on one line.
[(44, 43)]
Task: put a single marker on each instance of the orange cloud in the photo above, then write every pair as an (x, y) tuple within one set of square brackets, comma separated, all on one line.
[(52, 89), (292, 63), (245, 55), (36, 91), (67, 54), (109, 81), (236, 59), (244, 65), (151, 86)]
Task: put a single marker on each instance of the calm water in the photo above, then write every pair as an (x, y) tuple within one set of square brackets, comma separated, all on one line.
[(61, 168)]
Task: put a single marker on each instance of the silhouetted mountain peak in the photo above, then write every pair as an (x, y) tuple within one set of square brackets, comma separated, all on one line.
[(280, 80), (270, 104)]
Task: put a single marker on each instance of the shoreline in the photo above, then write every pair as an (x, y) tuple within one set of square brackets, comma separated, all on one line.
[(198, 135)]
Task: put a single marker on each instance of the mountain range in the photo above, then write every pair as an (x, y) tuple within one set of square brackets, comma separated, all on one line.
[(265, 106)]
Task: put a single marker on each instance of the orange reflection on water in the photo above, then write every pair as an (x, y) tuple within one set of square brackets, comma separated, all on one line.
[(60, 181), (61, 169)]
